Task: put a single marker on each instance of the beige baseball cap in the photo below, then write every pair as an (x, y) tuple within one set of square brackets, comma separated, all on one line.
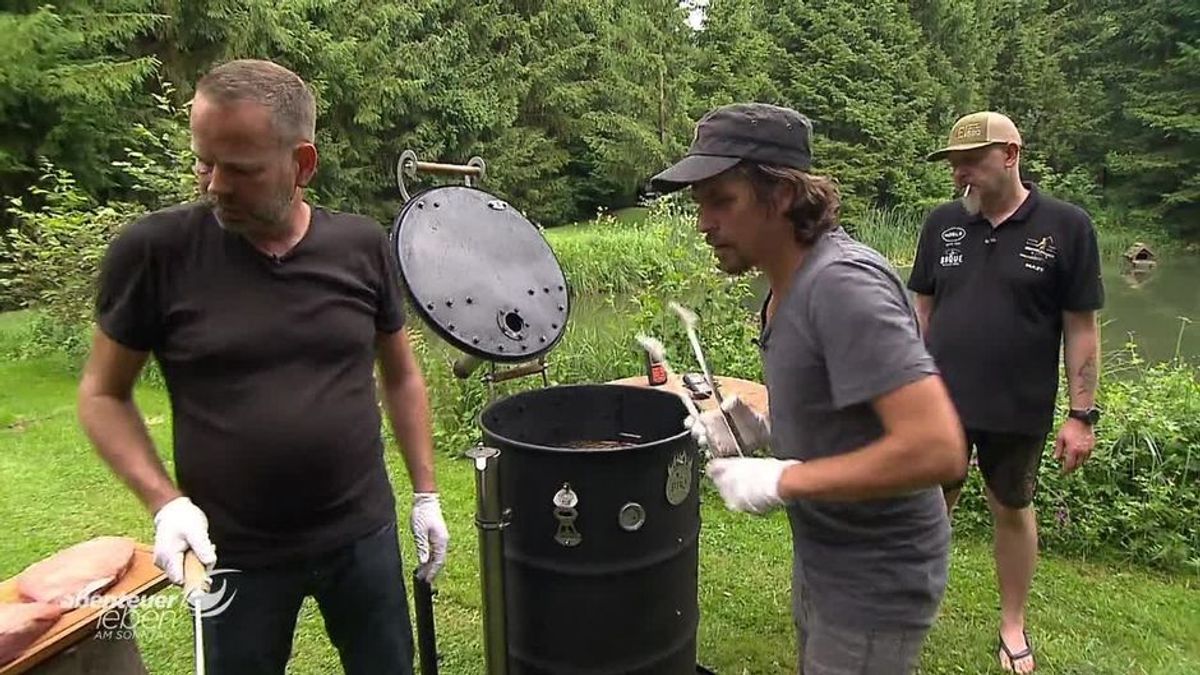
[(977, 130)]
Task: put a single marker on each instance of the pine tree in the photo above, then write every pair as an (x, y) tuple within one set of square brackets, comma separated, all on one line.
[(1154, 162), (72, 83)]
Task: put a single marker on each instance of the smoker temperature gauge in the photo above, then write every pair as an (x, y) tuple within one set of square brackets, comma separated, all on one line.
[(631, 517)]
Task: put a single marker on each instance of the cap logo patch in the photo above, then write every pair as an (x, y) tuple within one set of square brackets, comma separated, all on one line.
[(969, 131)]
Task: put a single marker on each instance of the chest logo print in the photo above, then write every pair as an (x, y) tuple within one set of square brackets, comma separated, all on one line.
[(953, 235), (1039, 252), (952, 258)]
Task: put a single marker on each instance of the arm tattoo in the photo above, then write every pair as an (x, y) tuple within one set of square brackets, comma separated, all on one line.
[(1085, 377)]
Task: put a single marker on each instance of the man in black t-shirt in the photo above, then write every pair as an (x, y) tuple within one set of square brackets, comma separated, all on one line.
[(1003, 277), (267, 317)]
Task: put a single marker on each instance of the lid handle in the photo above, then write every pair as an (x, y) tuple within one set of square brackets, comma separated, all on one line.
[(409, 165)]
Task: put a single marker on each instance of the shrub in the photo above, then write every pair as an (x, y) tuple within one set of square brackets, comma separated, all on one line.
[(50, 259), (1138, 497)]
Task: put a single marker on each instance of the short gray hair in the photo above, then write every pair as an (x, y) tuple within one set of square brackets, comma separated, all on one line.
[(291, 102)]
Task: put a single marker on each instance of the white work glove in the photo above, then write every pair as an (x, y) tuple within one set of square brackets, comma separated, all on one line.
[(714, 434), (178, 526), (430, 533), (749, 483)]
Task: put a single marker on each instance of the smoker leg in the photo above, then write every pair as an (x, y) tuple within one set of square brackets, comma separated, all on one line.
[(491, 520)]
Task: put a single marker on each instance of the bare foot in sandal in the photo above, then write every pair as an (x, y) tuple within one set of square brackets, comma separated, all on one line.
[(1016, 652)]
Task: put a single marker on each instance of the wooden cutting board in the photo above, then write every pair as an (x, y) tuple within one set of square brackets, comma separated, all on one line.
[(752, 393), (142, 579)]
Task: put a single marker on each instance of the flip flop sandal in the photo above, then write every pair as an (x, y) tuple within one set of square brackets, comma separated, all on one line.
[(1026, 653)]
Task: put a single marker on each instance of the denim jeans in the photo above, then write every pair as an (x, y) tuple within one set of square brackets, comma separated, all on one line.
[(359, 589)]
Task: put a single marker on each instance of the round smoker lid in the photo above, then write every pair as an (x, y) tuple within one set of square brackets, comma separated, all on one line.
[(480, 274)]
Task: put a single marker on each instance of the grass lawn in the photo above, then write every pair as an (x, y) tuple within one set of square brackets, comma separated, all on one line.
[(1085, 618)]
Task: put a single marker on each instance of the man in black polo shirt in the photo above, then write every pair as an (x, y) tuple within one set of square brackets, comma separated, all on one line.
[(267, 317), (1003, 276)]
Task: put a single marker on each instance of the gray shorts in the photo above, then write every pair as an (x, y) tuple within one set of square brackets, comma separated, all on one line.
[(826, 649)]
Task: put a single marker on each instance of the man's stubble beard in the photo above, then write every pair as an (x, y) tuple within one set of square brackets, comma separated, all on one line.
[(268, 219)]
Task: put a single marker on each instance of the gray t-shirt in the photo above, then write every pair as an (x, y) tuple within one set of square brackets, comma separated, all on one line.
[(843, 334)]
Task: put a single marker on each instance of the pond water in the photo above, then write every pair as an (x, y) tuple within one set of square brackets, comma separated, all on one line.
[(1148, 307)]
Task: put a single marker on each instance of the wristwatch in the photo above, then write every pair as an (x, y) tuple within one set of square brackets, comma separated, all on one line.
[(1088, 417)]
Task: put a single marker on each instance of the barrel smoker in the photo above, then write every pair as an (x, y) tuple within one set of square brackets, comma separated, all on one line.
[(587, 495)]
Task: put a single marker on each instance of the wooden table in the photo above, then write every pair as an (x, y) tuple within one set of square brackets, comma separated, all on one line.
[(78, 644), (752, 393)]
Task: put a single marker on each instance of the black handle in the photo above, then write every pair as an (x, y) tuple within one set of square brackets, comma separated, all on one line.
[(426, 638)]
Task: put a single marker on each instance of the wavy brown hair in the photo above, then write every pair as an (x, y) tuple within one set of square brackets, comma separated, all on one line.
[(816, 204)]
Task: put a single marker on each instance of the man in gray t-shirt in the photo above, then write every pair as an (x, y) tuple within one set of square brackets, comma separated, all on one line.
[(862, 430)]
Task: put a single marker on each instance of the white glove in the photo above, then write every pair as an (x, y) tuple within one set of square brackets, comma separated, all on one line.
[(749, 483), (429, 531), (713, 431), (178, 526)]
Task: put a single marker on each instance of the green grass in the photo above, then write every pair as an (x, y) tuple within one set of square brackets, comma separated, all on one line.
[(892, 232), (1085, 618), (609, 255)]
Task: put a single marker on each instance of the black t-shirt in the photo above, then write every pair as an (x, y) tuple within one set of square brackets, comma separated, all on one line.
[(998, 298), (269, 364)]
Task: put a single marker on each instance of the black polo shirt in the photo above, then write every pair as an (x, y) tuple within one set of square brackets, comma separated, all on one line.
[(269, 363), (998, 298)]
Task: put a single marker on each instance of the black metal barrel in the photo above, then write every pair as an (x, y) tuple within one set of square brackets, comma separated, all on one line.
[(601, 552)]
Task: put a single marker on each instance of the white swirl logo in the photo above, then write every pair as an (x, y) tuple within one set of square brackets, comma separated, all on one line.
[(214, 602)]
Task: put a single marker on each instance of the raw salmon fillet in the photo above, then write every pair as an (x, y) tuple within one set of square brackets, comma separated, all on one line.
[(72, 575), (21, 624)]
